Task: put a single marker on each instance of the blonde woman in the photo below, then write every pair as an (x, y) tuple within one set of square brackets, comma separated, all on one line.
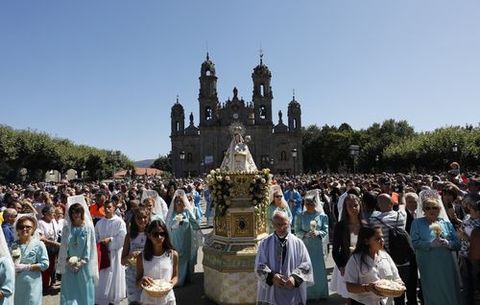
[(277, 203)]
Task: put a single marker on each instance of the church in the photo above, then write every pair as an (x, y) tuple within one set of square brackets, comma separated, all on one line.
[(196, 149)]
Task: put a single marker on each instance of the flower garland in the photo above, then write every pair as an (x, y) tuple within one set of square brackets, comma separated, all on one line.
[(219, 183)]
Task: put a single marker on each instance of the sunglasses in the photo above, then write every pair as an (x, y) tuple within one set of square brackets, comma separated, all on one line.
[(430, 208), (23, 227), (278, 196), (158, 234)]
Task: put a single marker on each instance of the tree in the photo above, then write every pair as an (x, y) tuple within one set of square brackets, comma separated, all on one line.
[(162, 163)]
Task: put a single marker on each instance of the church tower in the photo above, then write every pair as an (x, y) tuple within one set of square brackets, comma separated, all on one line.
[(178, 119), (207, 96), (262, 94), (294, 116)]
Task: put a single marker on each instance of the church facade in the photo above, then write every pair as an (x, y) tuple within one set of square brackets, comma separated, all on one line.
[(198, 149)]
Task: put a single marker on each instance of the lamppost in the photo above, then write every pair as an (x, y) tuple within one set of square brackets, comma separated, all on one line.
[(354, 151), (182, 157), (294, 157)]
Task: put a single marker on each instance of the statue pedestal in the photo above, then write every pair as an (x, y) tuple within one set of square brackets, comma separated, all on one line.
[(229, 251), (229, 260)]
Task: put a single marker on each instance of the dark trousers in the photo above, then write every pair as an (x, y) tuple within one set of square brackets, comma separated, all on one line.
[(468, 280)]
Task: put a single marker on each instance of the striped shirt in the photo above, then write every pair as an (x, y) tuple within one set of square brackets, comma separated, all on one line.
[(388, 218)]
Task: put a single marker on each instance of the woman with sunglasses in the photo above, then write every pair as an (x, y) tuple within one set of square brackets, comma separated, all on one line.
[(159, 261), (77, 258), (277, 203), (132, 248), (185, 233), (29, 265), (7, 273), (434, 238), (312, 227), (368, 264)]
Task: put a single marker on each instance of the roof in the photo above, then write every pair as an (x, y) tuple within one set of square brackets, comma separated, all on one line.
[(140, 171)]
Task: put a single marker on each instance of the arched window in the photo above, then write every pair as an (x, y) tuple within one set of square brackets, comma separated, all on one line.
[(208, 113), (177, 125), (262, 112), (262, 90), (283, 156), (294, 123), (208, 73)]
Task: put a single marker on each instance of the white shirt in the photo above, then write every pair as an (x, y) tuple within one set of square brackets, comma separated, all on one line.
[(357, 272)]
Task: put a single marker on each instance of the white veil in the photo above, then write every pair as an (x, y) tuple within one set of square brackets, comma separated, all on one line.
[(160, 208), (185, 200), (432, 195), (62, 255), (314, 195)]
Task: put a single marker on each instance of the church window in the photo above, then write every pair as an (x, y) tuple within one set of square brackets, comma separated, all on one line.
[(263, 112), (208, 113), (208, 73), (177, 126), (189, 157), (262, 90), (294, 123), (283, 156)]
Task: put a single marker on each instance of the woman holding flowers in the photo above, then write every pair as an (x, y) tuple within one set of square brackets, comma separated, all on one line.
[(434, 239), (77, 259), (185, 234), (312, 227)]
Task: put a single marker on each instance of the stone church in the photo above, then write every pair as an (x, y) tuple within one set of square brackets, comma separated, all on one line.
[(198, 149)]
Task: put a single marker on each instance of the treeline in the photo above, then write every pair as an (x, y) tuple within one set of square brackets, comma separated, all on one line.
[(26, 155), (390, 146)]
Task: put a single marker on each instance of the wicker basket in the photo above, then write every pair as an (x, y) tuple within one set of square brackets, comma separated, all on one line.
[(390, 288), (159, 289)]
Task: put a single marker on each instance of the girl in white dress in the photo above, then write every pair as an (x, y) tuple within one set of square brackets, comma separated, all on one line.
[(132, 248), (159, 261)]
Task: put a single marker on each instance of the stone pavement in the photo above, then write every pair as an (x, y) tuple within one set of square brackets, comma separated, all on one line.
[(193, 292)]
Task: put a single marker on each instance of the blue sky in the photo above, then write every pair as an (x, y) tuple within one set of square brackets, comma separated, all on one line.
[(106, 73)]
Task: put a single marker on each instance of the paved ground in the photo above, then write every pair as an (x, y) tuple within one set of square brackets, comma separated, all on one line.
[(193, 292)]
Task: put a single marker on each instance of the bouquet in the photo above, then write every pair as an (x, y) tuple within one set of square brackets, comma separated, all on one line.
[(436, 228), (313, 225), (16, 253)]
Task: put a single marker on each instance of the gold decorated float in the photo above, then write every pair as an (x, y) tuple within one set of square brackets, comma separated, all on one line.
[(240, 195)]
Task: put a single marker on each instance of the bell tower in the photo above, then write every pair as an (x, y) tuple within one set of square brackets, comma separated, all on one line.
[(177, 117), (262, 94), (207, 97)]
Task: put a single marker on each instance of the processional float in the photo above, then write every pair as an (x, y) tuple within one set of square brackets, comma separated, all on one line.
[(240, 195)]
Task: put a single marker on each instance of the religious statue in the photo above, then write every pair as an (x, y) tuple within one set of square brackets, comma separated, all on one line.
[(238, 157)]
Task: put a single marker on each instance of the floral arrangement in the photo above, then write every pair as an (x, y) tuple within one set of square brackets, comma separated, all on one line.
[(259, 188), (436, 229), (219, 183)]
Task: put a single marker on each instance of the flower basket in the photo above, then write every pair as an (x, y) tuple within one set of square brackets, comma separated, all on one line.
[(159, 288), (390, 288)]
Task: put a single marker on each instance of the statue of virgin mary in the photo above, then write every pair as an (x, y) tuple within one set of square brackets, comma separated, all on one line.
[(238, 157)]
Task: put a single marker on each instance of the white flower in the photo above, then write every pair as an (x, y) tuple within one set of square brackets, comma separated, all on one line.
[(178, 218), (73, 260), (218, 171), (212, 172), (209, 177), (227, 178), (263, 181), (313, 225), (219, 178), (16, 253)]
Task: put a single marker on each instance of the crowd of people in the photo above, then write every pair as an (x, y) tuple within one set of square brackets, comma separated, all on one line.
[(104, 242)]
